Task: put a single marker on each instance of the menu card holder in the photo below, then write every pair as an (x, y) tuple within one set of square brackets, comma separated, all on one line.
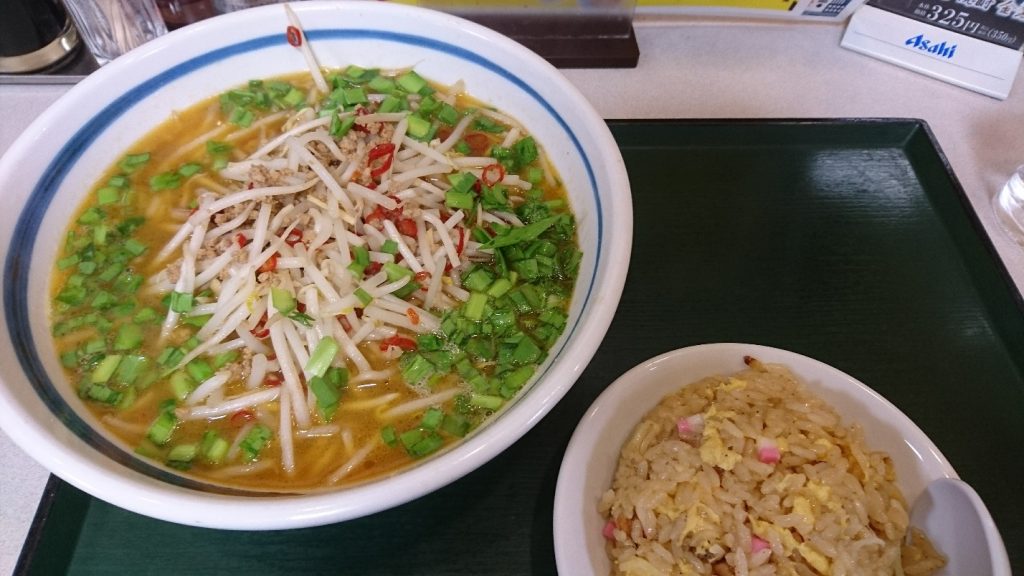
[(963, 42)]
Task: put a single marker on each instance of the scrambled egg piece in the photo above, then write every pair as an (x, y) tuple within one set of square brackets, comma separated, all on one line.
[(637, 566), (816, 559), (696, 519), (821, 492), (762, 529), (712, 449), (802, 506)]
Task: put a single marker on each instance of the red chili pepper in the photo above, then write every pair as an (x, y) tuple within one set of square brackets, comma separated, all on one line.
[(241, 239), (372, 268), (345, 323), (273, 380), (413, 315), (493, 174), (361, 111), (261, 331), (399, 341), (242, 416), (477, 142), (269, 266), (462, 241), (385, 153), (407, 226), (294, 36), (379, 213), (294, 237)]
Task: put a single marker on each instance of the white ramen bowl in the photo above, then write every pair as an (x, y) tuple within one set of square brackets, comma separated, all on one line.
[(51, 167), (593, 454)]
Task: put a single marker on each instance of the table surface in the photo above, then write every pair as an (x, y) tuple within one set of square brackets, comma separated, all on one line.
[(693, 69)]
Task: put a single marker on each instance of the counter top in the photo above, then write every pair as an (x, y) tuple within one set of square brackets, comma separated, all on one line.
[(693, 69)]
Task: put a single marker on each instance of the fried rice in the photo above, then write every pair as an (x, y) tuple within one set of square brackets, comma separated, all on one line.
[(752, 475)]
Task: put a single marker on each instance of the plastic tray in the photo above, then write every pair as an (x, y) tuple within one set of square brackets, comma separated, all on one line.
[(848, 241)]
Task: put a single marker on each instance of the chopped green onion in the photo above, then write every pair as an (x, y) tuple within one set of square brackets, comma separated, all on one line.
[(129, 337), (181, 385), (517, 378), (525, 150), (225, 358), (388, 435), (485, 124), (255, 441), (419, 127), (342, 126), (165, 181), (327, 397), (199, 370), (283, 300), (353, 96), (519, 234), (216, 148), (294, 97), (427, 444), (108, 195), (197, 321), (364, 297), (448, 114), (455, 425), (486, 401), (462, 181), (134, 247), (119, 181), (478, 279), (500, 287), (101, 393), (181, 302), (381, 84), (213, 447), (132, 162), (67, 262), (189, 169), (182, 453), (474, 307), (459, 200), (145, 315), (130, 368), (411, 82), (162, 428), (241, 117), (415, 368), (105, 369), (390, 104), (389, 247), (324, 353), (432, 418)]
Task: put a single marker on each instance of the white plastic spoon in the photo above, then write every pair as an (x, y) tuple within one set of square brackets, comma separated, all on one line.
[(953, 516)]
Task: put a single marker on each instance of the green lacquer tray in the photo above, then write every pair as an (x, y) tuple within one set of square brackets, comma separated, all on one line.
[(847, 241)]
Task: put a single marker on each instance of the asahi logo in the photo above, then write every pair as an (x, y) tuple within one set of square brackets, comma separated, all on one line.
[(942, 50)]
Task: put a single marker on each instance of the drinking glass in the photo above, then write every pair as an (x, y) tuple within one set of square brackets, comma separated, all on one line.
[(1009, 206), (112, 27)]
